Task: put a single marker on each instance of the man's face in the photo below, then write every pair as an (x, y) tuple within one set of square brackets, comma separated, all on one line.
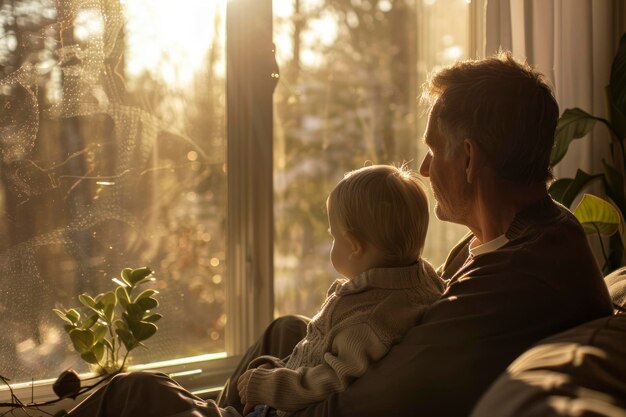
[(445, 166)]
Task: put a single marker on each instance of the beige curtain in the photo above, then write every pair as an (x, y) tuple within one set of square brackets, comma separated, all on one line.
[(573, 43)]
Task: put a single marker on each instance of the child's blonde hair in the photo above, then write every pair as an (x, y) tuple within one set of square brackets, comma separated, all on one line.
[(384, 205)]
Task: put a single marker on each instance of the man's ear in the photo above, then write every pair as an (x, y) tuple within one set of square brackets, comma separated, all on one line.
[(356, 245), (473, 159)]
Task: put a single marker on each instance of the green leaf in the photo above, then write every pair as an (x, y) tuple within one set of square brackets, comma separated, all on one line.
[(146, 294), (98, 351), (87, 301), (72, 315), (127, 338), (109, 312), (614, 185), (62, 315), (153, 318), (148, 304), (99, 332), (566, 190), (134, 311), (142, 330), (89, 357), (122, 296), (109, 299), (139, 274), (90, 321), (120, 324), (597, 215), (573, 124), (82, 339), (126, 276)]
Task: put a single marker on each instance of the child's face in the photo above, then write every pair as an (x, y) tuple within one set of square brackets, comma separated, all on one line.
[(341, 252)]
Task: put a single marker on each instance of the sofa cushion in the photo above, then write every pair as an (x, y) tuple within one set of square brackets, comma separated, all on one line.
[(580, 372), (616, 283)]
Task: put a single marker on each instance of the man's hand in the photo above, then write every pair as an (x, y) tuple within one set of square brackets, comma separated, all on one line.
[(242, 387)]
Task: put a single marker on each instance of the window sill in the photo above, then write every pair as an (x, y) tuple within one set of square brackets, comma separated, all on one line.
[(203, 375)]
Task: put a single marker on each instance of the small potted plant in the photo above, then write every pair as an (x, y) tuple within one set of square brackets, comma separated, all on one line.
[(107, 327)]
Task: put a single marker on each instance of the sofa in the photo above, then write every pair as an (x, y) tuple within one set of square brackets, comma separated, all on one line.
[(578, 373)]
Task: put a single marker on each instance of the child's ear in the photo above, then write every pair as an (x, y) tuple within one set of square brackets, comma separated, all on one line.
[(356, 245)]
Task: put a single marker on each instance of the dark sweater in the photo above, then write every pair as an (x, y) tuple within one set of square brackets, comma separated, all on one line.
[(543, 281)]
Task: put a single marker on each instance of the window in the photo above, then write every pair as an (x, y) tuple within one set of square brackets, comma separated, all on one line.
[(113, 154), (126, 140), (351, 72)]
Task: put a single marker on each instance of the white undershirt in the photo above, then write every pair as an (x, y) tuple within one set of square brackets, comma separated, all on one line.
[(487, 247)]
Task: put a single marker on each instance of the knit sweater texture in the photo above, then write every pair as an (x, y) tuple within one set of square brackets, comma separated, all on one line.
[(496, 305), (357, 324)]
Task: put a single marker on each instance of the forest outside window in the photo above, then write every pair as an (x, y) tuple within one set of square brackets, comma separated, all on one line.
[(113, 153), (348, 95)]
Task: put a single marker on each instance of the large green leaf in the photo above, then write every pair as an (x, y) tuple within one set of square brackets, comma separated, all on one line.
[(597, 215), (82, 339), (566, 190), (573, 124)]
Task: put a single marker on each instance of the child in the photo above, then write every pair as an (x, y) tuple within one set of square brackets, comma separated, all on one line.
[(378, 216)]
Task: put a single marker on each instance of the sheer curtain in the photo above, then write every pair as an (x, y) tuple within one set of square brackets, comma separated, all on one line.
[(573, 43)]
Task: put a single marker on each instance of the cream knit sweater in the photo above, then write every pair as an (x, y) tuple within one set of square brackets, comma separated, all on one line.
[(356, 326)]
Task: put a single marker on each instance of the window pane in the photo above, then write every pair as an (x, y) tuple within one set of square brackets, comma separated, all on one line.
[(348, 96), (112, 154)]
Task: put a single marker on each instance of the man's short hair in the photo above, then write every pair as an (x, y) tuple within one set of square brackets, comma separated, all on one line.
[(503, 105), (386, 206)]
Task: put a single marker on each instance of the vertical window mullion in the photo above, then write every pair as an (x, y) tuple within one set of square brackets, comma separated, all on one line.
[(251, 77)]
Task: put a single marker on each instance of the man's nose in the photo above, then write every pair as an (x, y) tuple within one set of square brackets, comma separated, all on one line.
[(425, 166)]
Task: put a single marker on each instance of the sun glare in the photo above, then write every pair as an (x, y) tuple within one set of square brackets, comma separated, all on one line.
[(170, 39)]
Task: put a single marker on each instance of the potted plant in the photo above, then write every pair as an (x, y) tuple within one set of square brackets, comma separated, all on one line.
[(599, 216), (110, 325)]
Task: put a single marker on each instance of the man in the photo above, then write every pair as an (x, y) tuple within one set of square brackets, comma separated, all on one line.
[(524, 272)]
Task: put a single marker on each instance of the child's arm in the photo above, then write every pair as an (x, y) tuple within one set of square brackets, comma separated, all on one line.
[(353, 350)]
